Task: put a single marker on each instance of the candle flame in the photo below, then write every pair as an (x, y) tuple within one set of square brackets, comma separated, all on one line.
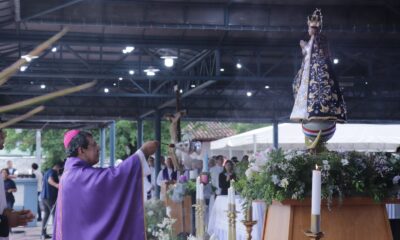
[(316, 167)]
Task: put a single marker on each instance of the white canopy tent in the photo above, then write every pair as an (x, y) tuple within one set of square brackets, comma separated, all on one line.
[(348, 137)]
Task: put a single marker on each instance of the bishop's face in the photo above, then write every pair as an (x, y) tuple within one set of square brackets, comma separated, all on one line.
[(91, 153)]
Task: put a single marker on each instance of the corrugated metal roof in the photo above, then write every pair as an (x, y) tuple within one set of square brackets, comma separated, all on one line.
[(208, 131)]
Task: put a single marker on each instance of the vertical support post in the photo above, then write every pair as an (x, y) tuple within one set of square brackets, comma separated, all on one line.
[(112, 143), (102, 146), (276, 134), (140, 62), (258, 56), (217, 54), (139, 133), (38, 146), (226, 16), (178, 108), (157, 136)]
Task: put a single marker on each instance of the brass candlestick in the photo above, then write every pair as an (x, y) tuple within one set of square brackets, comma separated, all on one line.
[(249, 227), (315, 223), (200, 208), (232, 222), (248, 222), (315, 231), (196, 215), (316, 236)]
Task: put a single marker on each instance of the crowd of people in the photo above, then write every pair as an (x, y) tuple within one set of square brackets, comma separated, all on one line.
[(221, 171)]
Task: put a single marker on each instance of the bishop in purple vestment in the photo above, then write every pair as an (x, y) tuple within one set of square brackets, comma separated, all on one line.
[(100, 203)]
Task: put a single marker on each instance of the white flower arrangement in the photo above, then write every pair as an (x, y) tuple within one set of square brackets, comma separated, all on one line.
[(156, 211), (279, 175), (257, 162)]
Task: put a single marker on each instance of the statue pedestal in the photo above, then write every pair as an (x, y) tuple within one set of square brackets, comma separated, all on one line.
[(355, 219)]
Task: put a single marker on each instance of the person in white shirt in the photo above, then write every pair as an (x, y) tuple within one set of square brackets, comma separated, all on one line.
[(11, 170), (168, 174), (215, 171), (39, 176), (151, 177)]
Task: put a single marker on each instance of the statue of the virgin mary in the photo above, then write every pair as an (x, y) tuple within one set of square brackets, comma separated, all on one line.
[(316, 90)]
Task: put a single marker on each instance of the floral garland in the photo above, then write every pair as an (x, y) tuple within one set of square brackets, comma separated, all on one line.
[(278, 175)]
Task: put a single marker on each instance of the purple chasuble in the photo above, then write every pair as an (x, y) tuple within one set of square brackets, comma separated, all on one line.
[(100, 203)]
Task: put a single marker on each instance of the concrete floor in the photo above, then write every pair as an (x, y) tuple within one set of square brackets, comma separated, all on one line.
[(29, 233)]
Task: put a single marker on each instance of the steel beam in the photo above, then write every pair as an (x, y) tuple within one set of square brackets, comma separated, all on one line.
[(25, 19), (173, 101)]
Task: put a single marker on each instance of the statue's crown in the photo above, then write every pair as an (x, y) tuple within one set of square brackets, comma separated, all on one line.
[(315, 20)]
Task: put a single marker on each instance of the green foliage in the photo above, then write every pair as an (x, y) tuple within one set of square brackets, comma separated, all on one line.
[(53, 147), (191, 187), (278, 176), (125, 135), (23, 139)]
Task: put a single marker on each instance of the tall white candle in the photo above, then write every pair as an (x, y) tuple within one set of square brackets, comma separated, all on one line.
[(201, 190), (231, 194), (316, 192), (198, 188)]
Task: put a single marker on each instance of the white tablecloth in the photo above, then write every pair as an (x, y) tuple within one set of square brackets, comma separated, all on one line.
[(218, 220)]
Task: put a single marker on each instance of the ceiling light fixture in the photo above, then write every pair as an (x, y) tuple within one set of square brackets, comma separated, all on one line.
[(29, 58), (131, 72), (150, 71), (221, 70), (106, 90), (128, 49), (266, 87), (238, 65), (54, 49), (120, 78), (42, 86), (335, 61), (23, 68), (169, 60), (249, 94)]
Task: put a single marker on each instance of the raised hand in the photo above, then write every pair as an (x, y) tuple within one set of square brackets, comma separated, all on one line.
[(18, 218), (149, 147)]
